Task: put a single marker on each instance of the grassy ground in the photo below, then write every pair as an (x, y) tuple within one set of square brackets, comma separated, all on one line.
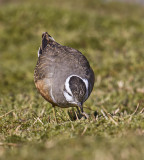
[(111, 36)]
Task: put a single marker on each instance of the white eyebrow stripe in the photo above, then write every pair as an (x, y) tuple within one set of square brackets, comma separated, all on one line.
[(67, 85)]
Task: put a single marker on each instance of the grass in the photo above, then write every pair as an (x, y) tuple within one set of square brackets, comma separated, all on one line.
[(111, 36)]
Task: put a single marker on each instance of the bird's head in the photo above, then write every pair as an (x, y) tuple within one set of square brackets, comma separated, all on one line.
[(76, 90)]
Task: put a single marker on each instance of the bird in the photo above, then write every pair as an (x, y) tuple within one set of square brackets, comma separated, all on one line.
[(63, 75)]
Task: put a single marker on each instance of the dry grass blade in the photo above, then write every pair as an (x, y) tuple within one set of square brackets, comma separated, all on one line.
[(10, 144), (76, 115), (130, 118), (72, 126), (109, 116), (18, 127), (135, 110), (104, 114), (42, 112), (141, 111), (60, 115), (13, 111), (38, 119), (6, 113), (116, 111), (84, 130)]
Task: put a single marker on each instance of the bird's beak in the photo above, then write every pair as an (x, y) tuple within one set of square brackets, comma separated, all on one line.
[(82, 112), (80, 106)]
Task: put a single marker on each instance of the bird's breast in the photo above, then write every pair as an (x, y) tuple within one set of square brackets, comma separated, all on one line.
[(44, 91)]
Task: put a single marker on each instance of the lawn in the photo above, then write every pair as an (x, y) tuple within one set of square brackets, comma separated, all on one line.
[(111, 36)]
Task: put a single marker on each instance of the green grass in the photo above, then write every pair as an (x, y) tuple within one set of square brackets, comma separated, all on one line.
[(111, 36)]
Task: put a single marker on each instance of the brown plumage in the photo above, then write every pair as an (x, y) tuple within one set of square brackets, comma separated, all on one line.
[(62, 75)]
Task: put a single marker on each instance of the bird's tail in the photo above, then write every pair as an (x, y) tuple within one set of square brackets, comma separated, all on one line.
[(46, 38)]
